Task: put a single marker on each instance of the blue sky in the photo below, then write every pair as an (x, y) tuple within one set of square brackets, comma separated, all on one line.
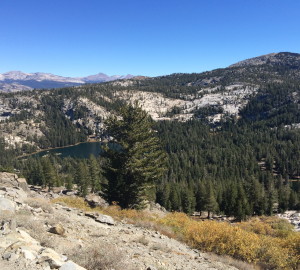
[(79, 38)]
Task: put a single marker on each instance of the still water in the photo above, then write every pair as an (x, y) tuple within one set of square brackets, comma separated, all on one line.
[(82, 150)]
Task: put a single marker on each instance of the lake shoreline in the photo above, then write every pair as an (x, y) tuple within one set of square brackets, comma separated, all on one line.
[(55, 148)]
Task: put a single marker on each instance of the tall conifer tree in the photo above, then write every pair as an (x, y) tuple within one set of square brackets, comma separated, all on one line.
[(138, 163)]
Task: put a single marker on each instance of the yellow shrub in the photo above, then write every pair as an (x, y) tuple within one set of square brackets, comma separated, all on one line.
[(292, 244), (248, 241), (271, 226), (257, 226), (267, 241), (176, 220), (221, 238)]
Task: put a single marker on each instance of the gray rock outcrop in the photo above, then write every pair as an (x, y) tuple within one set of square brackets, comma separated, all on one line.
[(94, 200), (7, 216), (20, 247), (71, 266), (57, 229), (7, 206), (12, 180), (292, 217), (105, 219), (13, 188)]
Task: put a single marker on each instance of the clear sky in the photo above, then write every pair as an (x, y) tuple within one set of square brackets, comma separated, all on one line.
[(142, 37)]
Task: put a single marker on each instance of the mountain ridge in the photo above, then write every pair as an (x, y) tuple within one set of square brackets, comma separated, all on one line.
[(13, 81), (271, 58), (211, 96)]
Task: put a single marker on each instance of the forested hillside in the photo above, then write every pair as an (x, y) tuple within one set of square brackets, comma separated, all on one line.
[(231, 135)]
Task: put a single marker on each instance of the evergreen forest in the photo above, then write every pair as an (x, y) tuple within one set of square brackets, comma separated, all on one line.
[(241, 166)]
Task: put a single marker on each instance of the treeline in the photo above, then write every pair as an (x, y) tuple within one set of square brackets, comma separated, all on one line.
[(241, 167), (53, 171), (237, 172)]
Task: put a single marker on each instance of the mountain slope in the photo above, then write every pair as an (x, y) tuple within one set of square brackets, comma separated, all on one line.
[(282, 58), (236, 128), (214, 96), (17, 81)]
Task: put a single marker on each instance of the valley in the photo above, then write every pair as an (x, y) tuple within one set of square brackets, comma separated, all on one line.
[(223, 142)]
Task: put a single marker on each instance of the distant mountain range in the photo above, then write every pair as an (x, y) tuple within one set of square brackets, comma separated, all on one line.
[(19, 81)]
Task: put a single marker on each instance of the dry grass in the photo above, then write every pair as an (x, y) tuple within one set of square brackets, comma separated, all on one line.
[(161, 247), (143, 219), (231, 261), (26, 221), (57, 219), (100, 257), (37, 228), (128, 215), (34, 227), (74, 202), (154, 225), (6, 216), (40, 203), (142, 240)]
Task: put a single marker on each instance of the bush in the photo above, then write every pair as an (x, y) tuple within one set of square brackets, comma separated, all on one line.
[(100, 257), (34, 227), (143, 240), (260, 244), (39, 203), (270, 226), (161, 247)]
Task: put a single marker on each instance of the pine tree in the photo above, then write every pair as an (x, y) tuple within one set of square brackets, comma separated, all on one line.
[(175, 199), (271, 200), (50, 174), (242, 209), (69, 182), (230, 198), (211, 204), (163, 194), (293, 200), (283, 198), (94, 170), (200, 198), (187, 200), (255, 194), (82, 178), (138, 163)]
